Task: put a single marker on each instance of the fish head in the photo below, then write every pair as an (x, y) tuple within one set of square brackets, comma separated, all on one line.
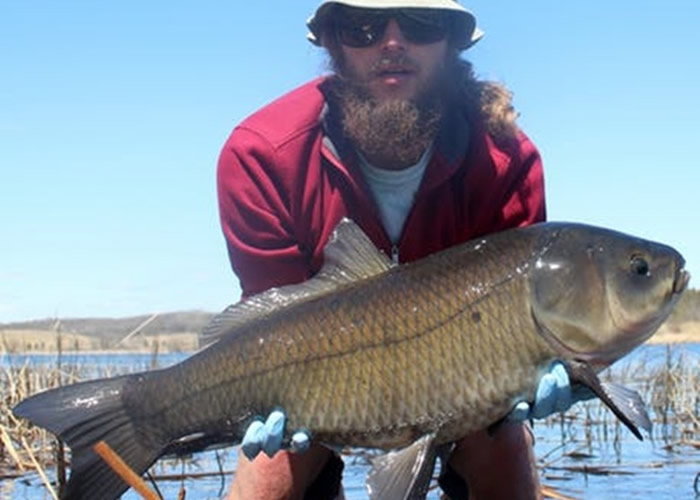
[(596, 294)]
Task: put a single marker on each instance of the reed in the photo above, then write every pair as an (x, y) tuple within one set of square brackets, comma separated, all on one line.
[(16, 383)]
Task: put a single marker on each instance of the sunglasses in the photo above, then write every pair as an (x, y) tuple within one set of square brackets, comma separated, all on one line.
[(359, 27)]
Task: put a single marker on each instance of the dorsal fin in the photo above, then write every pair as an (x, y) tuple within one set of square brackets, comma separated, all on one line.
[(348, 256)]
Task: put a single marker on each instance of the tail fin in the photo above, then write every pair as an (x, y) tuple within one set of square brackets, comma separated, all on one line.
[(83, 414)]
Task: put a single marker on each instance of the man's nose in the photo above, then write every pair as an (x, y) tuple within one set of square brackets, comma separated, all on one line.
[(393, 39)]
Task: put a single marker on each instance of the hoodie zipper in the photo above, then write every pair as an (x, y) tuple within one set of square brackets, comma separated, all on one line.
[(395, 254)]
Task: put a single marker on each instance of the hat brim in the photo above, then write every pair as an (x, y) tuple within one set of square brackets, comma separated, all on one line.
[(467, 33)]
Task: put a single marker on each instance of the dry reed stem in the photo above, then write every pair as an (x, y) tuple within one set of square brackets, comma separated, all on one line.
[(140, 327), (40, 470), (16, 383), (193, 475), (7, 442)]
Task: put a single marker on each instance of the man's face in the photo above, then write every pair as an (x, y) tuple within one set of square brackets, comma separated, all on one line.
[(394, 67)]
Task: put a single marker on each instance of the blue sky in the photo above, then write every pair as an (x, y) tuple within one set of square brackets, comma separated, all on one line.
[(112, 116)]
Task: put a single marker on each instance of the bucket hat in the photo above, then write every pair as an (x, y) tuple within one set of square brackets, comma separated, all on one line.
[(467, 34)]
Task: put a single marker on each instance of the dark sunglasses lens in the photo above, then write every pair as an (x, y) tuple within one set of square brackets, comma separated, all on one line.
[(423, 26), (361, 31), (356, 27)]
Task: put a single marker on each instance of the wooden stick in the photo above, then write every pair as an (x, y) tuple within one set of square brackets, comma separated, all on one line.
[(550, 492), (123, 470)]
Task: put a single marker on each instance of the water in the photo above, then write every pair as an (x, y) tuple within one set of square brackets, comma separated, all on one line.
[(574, 461)]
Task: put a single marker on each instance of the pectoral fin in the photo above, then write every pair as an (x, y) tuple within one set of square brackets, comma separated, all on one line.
[(404, 474), (625, 403), (630, 402)]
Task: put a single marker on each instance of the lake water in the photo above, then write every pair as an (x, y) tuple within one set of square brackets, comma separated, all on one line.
[(601, 461)]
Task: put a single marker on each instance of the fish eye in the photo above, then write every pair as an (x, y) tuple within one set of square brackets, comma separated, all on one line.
[(639, 265)]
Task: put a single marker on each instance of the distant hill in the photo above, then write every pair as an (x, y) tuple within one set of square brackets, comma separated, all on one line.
[(114, 329)]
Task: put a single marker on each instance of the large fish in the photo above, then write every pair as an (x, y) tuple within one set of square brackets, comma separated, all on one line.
[(408, 358)]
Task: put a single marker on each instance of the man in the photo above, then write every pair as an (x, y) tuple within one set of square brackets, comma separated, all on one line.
[(405, 141)]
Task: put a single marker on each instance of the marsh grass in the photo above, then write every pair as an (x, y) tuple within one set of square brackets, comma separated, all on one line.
[(24, 447), (675, 397), (589, 431)]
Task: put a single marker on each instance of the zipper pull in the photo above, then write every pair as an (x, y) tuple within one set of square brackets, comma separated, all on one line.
[(395, 255)]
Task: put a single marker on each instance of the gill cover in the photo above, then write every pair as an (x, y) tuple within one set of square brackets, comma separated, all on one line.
[(598, 293)]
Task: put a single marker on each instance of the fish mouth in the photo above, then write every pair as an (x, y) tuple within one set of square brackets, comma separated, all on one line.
[(680, 283), (630, 331)]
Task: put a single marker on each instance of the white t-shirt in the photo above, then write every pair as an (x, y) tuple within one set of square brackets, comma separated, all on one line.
[(394, 191)]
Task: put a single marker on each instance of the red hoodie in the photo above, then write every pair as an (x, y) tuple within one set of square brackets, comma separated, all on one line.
[(286, 176)]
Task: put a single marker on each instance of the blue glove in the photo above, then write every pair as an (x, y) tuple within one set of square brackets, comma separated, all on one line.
[(554, 394), (268, 436)]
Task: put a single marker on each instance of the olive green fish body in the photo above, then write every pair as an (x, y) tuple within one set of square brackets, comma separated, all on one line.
[(366, 354)]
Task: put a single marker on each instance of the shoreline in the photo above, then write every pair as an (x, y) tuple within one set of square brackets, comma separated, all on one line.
[(11, 342), (673, 339), (94, 352), (683, 333)]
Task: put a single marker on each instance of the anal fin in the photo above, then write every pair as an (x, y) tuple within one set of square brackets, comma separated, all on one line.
[(404, 474)]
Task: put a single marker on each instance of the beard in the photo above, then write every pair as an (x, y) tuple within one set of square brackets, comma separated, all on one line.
[(390, 133)]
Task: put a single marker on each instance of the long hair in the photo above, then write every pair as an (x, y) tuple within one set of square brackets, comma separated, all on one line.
[(490, 101)]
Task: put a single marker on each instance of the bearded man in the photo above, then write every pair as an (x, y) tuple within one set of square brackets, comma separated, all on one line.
[(405, 141)]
